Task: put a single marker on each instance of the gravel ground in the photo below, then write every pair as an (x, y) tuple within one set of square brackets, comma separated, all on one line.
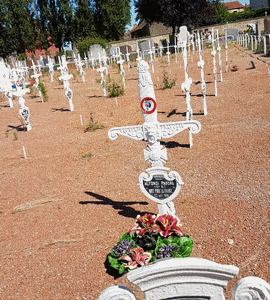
[(61, 213)]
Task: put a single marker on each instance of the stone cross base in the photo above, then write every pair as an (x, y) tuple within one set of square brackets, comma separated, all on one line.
[(188, 278)]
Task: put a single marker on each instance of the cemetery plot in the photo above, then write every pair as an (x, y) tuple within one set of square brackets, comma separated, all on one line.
[(84, 185)]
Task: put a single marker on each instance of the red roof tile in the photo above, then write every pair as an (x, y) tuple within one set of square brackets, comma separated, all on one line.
[(233, 5)]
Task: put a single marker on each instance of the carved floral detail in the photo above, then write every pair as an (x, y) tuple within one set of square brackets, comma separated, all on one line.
[(251, 288)]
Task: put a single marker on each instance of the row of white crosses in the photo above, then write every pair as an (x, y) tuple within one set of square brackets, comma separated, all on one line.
[(18, 90), (248, 41), (65, 78), (156, 183)]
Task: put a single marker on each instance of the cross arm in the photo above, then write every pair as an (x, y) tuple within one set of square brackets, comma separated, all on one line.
[(133, 132), (169, 130)]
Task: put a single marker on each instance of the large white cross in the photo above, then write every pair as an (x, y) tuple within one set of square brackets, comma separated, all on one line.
[(156, 183)]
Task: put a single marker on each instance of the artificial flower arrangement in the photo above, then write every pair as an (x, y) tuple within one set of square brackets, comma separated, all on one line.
[(234, 68), (150, 238)]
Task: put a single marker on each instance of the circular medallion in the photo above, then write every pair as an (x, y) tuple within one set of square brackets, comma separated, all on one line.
[(148, 105)]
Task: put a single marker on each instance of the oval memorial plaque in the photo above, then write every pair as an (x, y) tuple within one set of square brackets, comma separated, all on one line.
[(160, 186)]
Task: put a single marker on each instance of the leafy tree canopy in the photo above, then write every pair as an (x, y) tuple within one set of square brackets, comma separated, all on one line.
[(111, 18), (174, 13)]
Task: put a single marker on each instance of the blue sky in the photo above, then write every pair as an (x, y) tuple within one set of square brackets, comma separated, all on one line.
[(133, 15)]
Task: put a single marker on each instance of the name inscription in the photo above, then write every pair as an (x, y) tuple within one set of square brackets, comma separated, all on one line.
[(159, 187)]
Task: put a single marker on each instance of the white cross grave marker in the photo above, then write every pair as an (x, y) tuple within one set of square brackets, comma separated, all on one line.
[(24, 111), (80, 66), (122, 72), (65, 77), (203, 85), (138, 53), (168, 53), (5, 83), (155, 183), (51, 67), (219, 57), (151, 57), (36, 76), (102, 82), (213, 53), (185, 86), (127, 57), (226, 47)]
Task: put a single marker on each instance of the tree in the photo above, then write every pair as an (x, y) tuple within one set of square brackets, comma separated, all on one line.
[(56, 20), (174, 13), (111, 18), (220, 12), (83, 21)]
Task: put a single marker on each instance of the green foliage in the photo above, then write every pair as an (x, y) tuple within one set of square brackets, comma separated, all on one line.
[(15, 136), (111, 18), (220, 13), (222, 16), (43, 91), (166, 83), (83, 21), (148, 239), (115, 89), (21, 57), (92, 126), (87, 155), (172, 13), (84, 45), (17, 27)]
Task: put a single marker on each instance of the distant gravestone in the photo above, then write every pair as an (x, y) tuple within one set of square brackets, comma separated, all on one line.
[(95, 50), (233, 32), (144, 48), (182, 36)]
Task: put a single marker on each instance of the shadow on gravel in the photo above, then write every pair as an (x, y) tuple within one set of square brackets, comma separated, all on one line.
[(124, 208), (173, 144), (111, 271), (60, 109), (18, 128), (173, 112), (94, 96)]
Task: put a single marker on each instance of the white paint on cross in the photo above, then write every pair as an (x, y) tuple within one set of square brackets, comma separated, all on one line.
[(36, 75), (151, 57), (65, 77), (102, 82), (219, 57), (24, 110), (186, 85), (51, 66), (201, 66), (213, 53), (122, 72), (155, 183)]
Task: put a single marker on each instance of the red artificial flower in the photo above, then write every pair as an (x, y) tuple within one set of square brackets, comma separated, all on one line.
[(143, 223), (167, 225), (136, 257)]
